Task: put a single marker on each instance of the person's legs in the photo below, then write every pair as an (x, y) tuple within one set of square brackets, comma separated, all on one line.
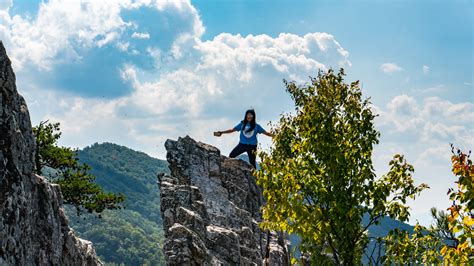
[(252, 153), (238, 150)]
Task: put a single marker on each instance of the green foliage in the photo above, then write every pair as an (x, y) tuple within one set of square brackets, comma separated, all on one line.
[(123, 237), (318, 177), (375, 250), (420, 247), (461, 213), (450, 240), (134, 235), (48, 153), (61, 166)]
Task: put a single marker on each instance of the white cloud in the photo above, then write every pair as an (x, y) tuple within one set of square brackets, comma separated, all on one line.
[(403, 105), (402, 112), (141, 35), (438, 109), (214, 72), (123, 46), (58, 28), (289, 54), (443, 131), (64, 27), (423, 129), (426, 69), (390, 68), (434, 118)]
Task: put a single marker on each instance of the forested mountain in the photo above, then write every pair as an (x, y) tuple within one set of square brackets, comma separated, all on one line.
[(132, 235)]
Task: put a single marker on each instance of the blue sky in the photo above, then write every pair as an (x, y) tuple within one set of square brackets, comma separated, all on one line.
[(410, 33), (136, 72)]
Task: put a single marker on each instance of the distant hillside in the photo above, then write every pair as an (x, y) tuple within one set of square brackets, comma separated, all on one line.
[(120, 169), (385, 226), (381, 230), (133, 235)]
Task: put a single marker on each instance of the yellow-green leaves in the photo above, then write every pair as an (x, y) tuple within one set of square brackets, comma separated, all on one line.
[(451, 239), (318, 178)]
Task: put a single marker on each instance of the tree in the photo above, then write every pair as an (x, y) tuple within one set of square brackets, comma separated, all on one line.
[(421, 247), (451, 238), (318, 179), (61, 165)]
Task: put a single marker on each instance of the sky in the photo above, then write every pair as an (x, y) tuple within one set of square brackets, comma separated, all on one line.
[(138, 72)]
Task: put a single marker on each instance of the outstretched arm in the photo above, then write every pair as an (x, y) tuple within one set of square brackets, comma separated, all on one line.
[(268, 134), (219, 133), (263, 131)]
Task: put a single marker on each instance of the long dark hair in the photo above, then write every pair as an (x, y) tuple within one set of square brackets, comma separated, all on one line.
[(252, 123)]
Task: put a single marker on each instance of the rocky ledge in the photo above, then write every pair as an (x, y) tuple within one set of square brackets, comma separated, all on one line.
[(210, 206)]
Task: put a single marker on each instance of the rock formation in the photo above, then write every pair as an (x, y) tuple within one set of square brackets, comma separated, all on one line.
[(210, 206), (33, 227)]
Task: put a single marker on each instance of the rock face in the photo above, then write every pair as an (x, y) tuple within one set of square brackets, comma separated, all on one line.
[(210, 206), (33, 227)]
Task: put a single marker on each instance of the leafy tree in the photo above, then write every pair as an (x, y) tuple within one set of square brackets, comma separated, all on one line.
[(421, 247), (451, 238), (461, 213), (318, 177), (62, 166)]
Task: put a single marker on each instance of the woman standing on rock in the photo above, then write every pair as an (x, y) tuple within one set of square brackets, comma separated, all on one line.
[(249, 129)]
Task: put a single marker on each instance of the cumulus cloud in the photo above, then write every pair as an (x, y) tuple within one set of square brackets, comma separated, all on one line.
[(402, 113), (68, 43), (432, 119), (426, 128), (60, 27), (423, 129), (427, 124), (390, 68), (287, 53), (177, 83), (63, 27), (232, 67)]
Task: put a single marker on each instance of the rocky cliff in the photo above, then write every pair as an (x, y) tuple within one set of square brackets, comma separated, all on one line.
[(33, 227), (210, 206)]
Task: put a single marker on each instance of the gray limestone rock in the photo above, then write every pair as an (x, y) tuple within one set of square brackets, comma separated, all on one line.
[(210, 206), (33, 227)]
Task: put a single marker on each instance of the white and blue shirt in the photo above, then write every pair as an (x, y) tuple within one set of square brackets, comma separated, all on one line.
[(249, 137)]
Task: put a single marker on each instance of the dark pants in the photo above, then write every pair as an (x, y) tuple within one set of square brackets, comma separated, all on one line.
[(241, 148)]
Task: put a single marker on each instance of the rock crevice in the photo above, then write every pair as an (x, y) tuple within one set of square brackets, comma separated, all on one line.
[(33, 227), (210, 206)]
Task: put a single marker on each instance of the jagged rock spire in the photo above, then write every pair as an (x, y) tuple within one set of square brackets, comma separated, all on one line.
[(33, 227), (210, 206)]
